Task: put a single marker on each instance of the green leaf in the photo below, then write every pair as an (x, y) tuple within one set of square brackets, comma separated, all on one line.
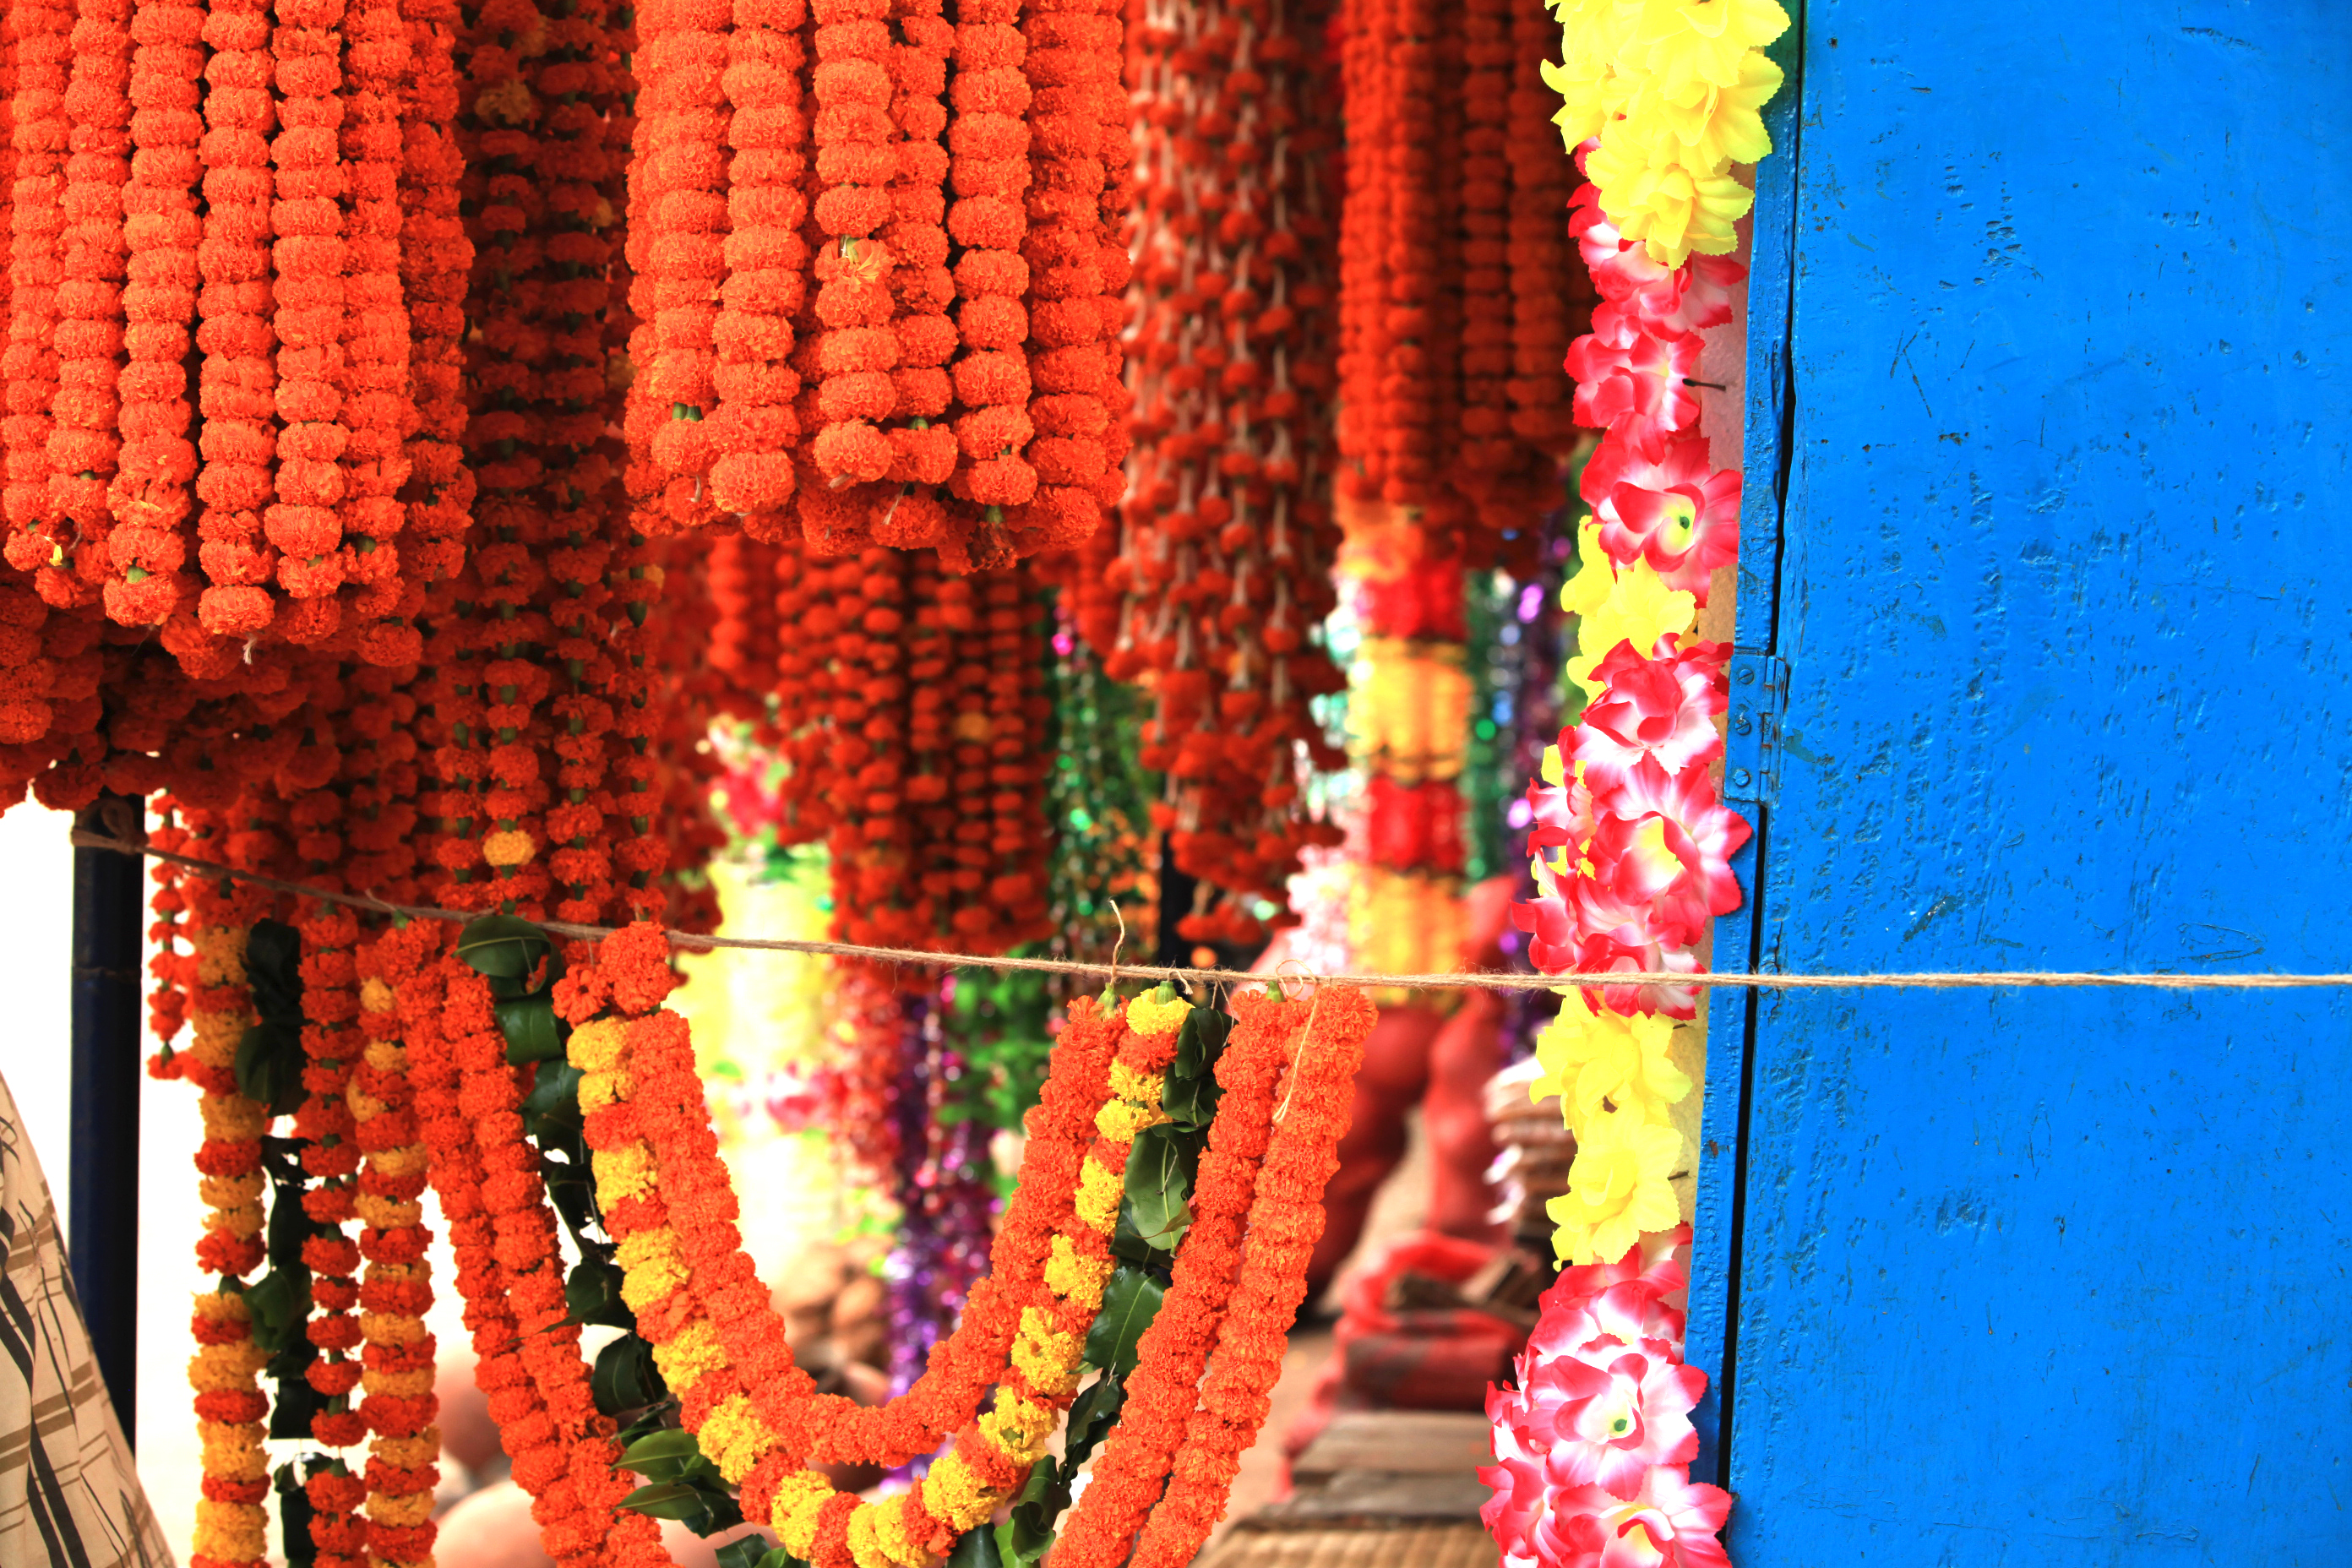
[(745, 1552), (780, 1558), (1159, 1184), (294, 1515), (626, 1377), (1025, 1534), (668, 1455), (976, 1548), (280, 1304), (591, 1294), (504, 947), (270, 1065), (528, 1024), (552, 1109), (698, 1510), (1192, 1093), (1130, 1301), (273, 970)]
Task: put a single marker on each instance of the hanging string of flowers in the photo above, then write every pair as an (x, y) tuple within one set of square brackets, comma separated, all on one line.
[(1452, 400), (1227, 534), (1630, 841)]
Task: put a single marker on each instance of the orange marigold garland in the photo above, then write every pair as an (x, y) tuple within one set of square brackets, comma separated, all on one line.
[(236, 380), (1228, 534), (156, 465), (42, 32), (373, 376), (756, 426), (309, 256)]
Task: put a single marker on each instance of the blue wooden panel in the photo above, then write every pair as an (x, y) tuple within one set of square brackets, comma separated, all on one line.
[(2058, 1277)]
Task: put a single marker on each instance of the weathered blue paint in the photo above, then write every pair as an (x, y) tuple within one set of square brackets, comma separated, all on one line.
[(2052, 1278)]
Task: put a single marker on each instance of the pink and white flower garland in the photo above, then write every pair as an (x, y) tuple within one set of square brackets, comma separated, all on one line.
[(1631, 844)]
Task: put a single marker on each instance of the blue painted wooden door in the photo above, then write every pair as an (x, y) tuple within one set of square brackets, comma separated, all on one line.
[(2046, 541)]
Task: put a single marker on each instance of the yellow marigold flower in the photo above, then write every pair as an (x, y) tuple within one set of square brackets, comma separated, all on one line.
[(387, 1056), (1017, 1426), (1075, 1278), (238, 1219), (1119, 1120), (375, 996), (1048, 1359), (220, 954), (1591, 1057), (798, 1501), (1143, 1087), (690, 1357), (401, 1384), (623, 1173), (233, 1452), (232, 1118), (1617, 1190), (413, 1508), (231, 1531), (364, 1107), (391, 1327), (222, 1308), (865, 1547), (404, 1161), (1147, 1015), (226, 1192), (890, 1532), (953, 1495), (651, 1268), (596, 1045), (407, 1453), (734, 1438), (1099, 1194), (384, 1213), (216, 1367), (509, 847)]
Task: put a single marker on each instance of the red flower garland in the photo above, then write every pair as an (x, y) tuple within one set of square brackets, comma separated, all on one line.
[(84, 433), (43, 36)]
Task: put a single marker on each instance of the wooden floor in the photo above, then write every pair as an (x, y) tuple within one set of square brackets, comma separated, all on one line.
[(1390, 1489)]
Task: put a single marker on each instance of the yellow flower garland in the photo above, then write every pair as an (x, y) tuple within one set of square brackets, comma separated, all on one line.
[(1673, 89), (734, 1435)]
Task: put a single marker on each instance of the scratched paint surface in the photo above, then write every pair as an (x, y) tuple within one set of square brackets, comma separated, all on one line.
[(2059, 1278)]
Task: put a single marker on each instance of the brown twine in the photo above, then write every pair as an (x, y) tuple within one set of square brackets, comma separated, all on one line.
[(1481, 981)]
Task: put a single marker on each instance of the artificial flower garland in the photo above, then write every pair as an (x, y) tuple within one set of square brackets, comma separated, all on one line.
[(1630, 840)]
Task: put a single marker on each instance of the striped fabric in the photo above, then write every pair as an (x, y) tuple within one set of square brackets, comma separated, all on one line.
[(69, 1497)]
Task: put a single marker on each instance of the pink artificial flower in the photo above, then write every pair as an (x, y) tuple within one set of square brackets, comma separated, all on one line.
[(1676, 512), (1655, 1261), (1675, 847), (1602, 1415), (1561, 814), (1678, 302), (1633, 383), (1669, 1521), (1626, 949), (1662, 707)]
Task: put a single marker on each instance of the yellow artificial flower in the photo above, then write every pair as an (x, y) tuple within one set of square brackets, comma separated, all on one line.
[(1618, 1189), (1596, 574), (1597, 1060), (1670, 209), (1640, 609), (1675, 43), (1704, 128)]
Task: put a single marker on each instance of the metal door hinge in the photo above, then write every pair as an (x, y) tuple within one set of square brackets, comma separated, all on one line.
[(1751, 752)]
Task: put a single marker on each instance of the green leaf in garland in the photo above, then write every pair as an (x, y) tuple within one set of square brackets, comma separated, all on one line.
[(270, 1065), (750, 1552), (1191, 1094), (294, 1515), (273, 970), (668, 1455), (780, 1558), (1028, 1530), (1160, 1184), (626, 1377), (591, 1294), (976, 1548), (280, 1304), (504, 947), (552, 1109), (701, 1509), (1130, 1301), (528, 1024)]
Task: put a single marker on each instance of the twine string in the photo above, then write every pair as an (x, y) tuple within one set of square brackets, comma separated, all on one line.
[(1458, 980)]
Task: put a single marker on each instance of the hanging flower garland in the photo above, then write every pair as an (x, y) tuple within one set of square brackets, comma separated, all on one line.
[(1630, 841), (1227, 534)]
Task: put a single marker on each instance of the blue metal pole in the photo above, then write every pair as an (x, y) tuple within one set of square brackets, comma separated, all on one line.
[(102, 1164)]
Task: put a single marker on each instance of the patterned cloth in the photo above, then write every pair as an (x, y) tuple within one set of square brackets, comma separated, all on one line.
[(68, 1494)]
